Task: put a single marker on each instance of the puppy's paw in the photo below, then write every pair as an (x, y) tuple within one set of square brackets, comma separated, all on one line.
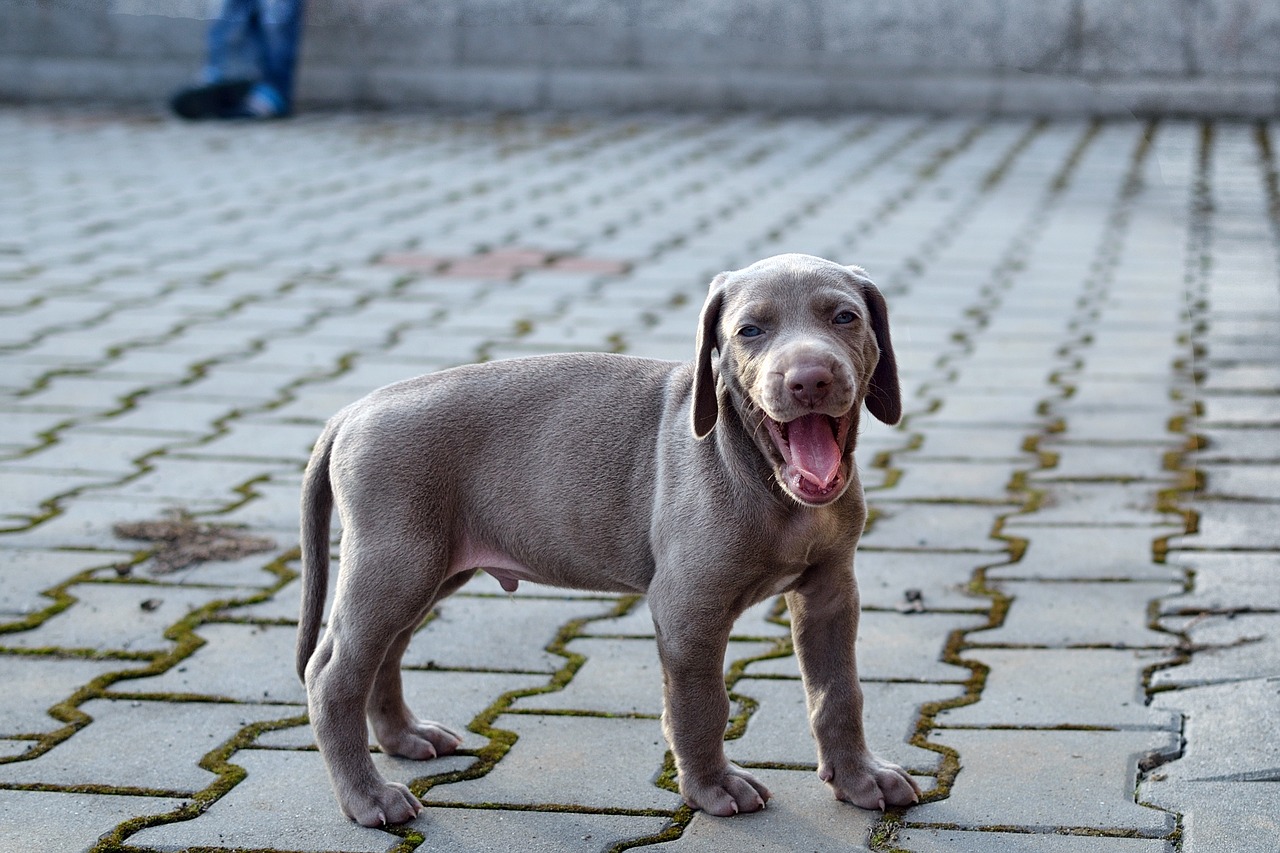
[(732, 791), (419, 740), (871, 783), (385, 804)]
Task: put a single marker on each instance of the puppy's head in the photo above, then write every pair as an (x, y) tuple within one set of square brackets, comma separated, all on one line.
[(803, 343)]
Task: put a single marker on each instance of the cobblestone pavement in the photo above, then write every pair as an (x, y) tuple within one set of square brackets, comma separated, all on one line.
[(1072, 578)]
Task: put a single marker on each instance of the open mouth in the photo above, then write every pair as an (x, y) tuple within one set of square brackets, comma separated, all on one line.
[(812, 450)]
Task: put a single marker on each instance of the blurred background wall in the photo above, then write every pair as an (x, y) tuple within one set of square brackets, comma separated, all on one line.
[(1052, 57)]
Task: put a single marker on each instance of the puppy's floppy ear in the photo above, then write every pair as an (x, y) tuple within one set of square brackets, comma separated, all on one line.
[(705, 400), (884, 397)]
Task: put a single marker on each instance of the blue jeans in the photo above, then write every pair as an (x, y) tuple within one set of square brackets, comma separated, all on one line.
[(256, 39)]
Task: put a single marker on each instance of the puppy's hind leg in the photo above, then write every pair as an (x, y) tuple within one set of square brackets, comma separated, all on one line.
[(396, 728), (373, 604)]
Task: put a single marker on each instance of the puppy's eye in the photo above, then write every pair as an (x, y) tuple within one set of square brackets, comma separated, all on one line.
[(751, 331), (844, 318)]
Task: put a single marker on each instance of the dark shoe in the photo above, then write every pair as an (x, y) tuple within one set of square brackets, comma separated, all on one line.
[(212, 100)]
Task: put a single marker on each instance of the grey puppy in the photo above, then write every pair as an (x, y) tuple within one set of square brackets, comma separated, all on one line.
[(708, 486)]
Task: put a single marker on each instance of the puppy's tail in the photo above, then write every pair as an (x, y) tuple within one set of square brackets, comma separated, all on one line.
[(317, 508)]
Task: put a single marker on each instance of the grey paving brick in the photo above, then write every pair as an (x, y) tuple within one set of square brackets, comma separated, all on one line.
[(1233, 525), (248, 663), (1071, 779), (1086, 462), (935, 527), (1099, 504), (1229, 647), (886, 640), (1217, 813), (1226, 582), (1239, 445), (1242, 411), (574, 761), (884, 578), (176, 734), (498, 634), (1087, 552), (127, 617), (952, 481), (778, 731), (620, 676), (984, 443), (479, 830), (1044, 688), (1227, 732), (1078, 613), (25, 574), (292, 790), (978, 841), (1241, 482), (38, 683), (54, 820)]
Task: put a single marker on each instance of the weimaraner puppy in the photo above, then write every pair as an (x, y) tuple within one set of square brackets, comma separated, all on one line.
[(708, 486)]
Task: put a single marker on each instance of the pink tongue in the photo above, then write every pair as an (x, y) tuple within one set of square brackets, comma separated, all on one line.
[(813, 449)]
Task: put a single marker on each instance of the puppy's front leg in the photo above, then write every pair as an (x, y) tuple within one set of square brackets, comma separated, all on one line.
[(824, 628), (691, 645)]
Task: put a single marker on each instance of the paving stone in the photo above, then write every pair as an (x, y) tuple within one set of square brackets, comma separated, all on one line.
[(1242, 482), (35, 684), (246, 440), (1067, 779), (620, 677), (187, 481), (802, 815), (292, 790), (888, 640), (1088, 462), (176, 734), (1254, 411), (885, 577), (1233, 526), (1228, 732), (1078, 613), (82, 450), (26, 573), (591, 762), (481, 830), (1087, 552), (1238, 445), (953, 481), (778, 731), (978, 841), (935, 527), (1228, 647), (28, 494), (55, 821), (126, 617), (247, 663), (1217, 813), (497, 634), (1044, 688), (1227, 581), (1096, 503), (985, 443)]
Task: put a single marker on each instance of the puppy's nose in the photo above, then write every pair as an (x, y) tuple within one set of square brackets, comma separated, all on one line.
[(809, 384)]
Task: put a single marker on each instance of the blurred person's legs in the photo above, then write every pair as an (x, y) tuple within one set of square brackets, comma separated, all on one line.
[(252, 55)]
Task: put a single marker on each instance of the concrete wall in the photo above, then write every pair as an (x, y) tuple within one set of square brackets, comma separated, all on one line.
[(1216, 57)]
